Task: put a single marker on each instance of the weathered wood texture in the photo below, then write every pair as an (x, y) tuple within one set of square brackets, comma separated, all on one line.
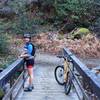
[(92, 80)]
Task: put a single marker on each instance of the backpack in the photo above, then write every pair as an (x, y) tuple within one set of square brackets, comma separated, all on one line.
[(34, 50), (33, 47)]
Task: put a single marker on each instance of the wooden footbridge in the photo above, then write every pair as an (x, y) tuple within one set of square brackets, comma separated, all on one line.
[(14, 78)]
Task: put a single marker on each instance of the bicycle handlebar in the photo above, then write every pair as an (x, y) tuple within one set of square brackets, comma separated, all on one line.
[(65, 58), (60, 56)]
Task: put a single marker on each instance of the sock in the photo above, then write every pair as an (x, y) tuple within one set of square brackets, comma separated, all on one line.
[(30, 85)]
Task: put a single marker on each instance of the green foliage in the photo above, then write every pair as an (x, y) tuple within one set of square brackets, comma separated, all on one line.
[(5, 26), (1, 93), (6, 52), (25, 24), (47, 2), (80, 11), (5, 61), (24, 21), (4, 44), (17, 5)]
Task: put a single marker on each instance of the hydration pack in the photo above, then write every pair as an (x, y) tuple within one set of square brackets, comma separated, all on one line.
[(33, 48)]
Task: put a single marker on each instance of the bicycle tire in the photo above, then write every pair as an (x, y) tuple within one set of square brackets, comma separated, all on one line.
[(62, 73), (68, 84)]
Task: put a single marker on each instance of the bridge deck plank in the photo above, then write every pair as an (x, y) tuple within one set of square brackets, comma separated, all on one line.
[(45, 86)]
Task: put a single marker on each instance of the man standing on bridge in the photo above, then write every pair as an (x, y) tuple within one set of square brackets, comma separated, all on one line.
[(28, 55)]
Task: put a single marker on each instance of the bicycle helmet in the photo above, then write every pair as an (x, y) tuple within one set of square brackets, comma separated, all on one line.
[(27, 35)]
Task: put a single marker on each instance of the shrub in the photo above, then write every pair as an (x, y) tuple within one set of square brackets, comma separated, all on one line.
[(4, 44), (80, 12), (1, 93)]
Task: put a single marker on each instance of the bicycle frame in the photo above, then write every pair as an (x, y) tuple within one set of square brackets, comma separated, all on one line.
[(74, 79), (71, 77), (66, 69)]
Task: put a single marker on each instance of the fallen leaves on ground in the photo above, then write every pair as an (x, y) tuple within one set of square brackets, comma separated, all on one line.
[(88, 46)]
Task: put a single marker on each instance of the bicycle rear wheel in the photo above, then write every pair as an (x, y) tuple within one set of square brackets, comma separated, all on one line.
[(68, 84), (59, 74)]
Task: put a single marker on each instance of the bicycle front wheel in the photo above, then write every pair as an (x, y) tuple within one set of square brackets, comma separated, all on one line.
[(68, 84), (59, 74)]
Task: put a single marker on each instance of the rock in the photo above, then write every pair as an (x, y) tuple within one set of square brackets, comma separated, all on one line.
[(79, 33)]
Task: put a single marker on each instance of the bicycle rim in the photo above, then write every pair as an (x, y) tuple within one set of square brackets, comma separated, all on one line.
[(59, 74)]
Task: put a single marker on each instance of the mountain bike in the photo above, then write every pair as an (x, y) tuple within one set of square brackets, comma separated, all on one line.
[(63, 74), (67, 75)]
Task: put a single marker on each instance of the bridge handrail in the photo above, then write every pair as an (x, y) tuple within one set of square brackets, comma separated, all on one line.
[(9, 71), (7, 74), (93, 80)]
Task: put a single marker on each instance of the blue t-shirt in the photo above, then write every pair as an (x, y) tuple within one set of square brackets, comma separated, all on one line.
[(29, 48)]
